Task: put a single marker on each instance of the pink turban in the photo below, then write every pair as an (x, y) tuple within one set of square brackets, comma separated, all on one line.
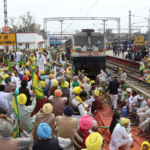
[(75, 78), (148, 102), (86, 122)]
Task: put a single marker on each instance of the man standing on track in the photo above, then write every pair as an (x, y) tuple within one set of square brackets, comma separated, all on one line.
[(113, 91)]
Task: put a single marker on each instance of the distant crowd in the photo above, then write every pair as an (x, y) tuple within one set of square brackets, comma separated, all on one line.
[(135, 53)]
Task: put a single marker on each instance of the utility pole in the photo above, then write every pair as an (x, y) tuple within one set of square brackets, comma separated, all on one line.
[(61, 28), (104, 31), (5, 13), (130, 28), (149, 28)]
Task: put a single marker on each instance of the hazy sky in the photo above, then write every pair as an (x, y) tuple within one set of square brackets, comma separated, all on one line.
[(79, 8)]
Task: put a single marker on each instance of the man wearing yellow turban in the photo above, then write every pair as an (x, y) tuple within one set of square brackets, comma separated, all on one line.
[(26, 120), (44, 115), (120, 136)]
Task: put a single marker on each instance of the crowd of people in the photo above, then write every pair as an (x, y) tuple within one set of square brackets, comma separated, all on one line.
[(136, 53), (63, 118)]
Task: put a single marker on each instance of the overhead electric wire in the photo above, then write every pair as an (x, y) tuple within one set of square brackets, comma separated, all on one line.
[(123, 7), (81, 7), (88, 11), (91, 7), (132, 14)]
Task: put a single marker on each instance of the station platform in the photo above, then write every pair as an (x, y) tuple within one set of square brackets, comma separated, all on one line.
[(110, 53)]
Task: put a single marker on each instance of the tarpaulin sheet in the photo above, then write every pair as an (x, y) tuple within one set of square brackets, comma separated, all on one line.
[(104, 118)]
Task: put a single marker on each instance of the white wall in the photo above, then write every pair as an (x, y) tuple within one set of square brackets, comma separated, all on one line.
[(33, 39), (26, 37)]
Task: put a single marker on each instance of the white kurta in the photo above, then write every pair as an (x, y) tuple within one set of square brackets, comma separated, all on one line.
[(41, 61), (131, 101), (119, 138), (143, 113), (3, 100), (18, 56)]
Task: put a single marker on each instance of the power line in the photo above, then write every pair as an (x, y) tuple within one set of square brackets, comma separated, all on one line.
[(81, 7), (91, 7), (132, 14), (123, 7), (88, 11), (141, 10)]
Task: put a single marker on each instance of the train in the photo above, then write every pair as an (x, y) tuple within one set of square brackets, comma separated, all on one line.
[(87, 51)]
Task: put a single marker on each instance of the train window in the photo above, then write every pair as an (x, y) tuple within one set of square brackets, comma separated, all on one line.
[(81, 40), (96, 40)]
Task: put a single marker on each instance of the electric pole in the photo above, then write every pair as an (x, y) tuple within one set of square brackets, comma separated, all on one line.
[(149, 28), (130, 28), (5, 13)]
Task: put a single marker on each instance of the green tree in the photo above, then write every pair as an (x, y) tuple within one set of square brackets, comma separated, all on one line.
[(26, 23)]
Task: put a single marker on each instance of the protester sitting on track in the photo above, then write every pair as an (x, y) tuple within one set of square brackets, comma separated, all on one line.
[(114, 122), (66, 121), (144, 127), (145, 146), (6, 131), (132, 100), (44, 115), (124, 90), (120, 136), (97, 104), (45, 141), (58, 103), (76, 92), (143, 113), (141, 103), (24, 111), (66, 91), (79, 105), (94, 141), (85, 124)]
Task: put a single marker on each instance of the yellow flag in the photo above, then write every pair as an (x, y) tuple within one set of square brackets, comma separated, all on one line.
[(37, 86), (16, 117)]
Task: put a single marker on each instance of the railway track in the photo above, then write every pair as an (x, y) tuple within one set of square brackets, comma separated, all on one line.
[(132, 78)]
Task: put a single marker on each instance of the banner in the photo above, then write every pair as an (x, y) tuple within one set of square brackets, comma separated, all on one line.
[(7, 39), (139, 40), (37, 86), (16, 117)]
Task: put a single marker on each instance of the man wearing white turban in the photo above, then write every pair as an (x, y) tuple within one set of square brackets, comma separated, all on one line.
[(141, 103), (6, 131)]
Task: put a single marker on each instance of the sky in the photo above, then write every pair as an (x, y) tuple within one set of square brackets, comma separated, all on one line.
[(41, 9)]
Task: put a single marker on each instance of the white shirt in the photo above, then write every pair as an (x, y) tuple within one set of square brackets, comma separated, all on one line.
[(133, 100), (3, 100), (117, 136), (41, 61)]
